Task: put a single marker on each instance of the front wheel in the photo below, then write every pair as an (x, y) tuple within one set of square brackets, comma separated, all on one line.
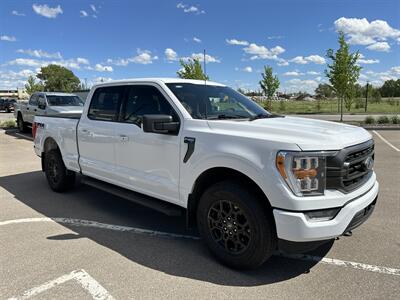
[(59, 178), (236, 226)]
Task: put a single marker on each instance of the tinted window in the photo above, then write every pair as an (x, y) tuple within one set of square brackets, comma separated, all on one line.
[(215, 102), (105, 103), (33, 100), (145, 100), (64, 101)]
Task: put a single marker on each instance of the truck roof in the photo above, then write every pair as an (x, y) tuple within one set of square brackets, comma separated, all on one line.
[(54, 94), (158, 80)]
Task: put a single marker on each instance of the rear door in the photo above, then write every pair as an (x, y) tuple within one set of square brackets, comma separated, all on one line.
[(96, 133), (30, 109), (147, 162)]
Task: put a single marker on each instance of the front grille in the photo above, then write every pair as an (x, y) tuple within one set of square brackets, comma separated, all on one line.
[(347, 170)]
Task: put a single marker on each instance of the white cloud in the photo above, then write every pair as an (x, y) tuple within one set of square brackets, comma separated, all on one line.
[(379, 46), (101, 68), (282, 62), (73, 63), (12, 80), (190, 8), (16, 13), (197, 40), (143, 58), (83, 13), (118, 62), (367, 61), (200, 57), (247, 69), (313, 73), (275, 37), (47, 11), (395, 70), (262, 52), (293, 73), (40, 53), (170, 54), (8, 38), (308, 59), (93, 8), (237, 42), (363, 32)]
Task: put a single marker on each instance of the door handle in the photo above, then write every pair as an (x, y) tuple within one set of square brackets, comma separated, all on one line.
[(35, 109), (123, 138)]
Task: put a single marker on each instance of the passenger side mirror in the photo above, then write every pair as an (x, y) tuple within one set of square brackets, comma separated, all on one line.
[(162, 124)]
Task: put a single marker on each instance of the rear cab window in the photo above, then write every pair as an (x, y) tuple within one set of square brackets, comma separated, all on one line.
[(106, 103)]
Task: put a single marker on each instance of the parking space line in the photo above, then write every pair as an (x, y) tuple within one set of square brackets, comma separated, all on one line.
[(95, 289), (386, 141), (303, 257)]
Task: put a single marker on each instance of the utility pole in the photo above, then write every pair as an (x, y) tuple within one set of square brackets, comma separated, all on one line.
[(366, 97), (204, 63)]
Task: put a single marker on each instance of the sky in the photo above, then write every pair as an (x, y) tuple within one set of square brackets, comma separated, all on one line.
[(119, 39)]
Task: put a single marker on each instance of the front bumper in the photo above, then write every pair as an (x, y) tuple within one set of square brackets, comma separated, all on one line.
[(296, 227)]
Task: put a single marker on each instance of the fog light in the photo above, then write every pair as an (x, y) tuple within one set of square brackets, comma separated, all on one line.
[(323, 214)]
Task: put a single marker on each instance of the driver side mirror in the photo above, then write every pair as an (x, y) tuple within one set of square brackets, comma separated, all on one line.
[(41, 104), (162, 124)]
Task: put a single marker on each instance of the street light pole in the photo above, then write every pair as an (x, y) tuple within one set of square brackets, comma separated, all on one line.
[(366, 97)]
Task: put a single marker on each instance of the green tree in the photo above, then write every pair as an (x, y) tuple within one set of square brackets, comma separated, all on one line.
[(32, 86), (192, 69), (58, 79), (390, 88), (324, 90), (269, 84), (343, 73)]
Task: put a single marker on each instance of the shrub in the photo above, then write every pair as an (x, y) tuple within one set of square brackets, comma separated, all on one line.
[(282, 105), (369, 120), (383, 120), (8, 124), (395, 120)]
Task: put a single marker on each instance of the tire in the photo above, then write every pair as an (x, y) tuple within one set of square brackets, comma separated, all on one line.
[(59, 178), (236, 227), (8, 110), (21, 124)]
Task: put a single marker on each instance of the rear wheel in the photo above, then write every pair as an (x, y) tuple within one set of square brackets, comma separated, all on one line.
[(21, 124), (235, 225), (59, 178)]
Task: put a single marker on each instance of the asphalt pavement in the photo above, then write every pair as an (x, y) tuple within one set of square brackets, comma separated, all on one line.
[(86, 244)]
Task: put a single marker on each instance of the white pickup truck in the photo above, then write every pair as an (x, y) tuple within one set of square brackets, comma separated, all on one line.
[(252, 182), (45, 103)]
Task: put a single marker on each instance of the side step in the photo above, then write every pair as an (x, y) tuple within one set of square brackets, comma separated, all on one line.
[(164, 207)]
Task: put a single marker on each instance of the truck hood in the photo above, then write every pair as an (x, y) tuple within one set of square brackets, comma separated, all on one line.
[(308, 134), (65, 109)]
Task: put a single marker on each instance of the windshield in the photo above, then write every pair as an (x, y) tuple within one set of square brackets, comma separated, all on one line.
[(215, 102), (64, 100)]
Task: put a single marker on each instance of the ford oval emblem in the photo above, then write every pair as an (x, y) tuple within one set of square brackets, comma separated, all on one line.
[(368, 163)]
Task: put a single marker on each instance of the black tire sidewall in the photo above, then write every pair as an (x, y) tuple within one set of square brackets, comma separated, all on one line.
[(66, 179), (263, 239)]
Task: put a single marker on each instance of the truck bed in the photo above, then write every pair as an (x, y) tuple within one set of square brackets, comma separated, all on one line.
[(61, 128)]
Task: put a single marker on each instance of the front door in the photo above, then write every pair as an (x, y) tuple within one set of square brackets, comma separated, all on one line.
[(147, 162)]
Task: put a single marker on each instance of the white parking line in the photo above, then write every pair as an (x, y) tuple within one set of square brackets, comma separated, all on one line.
[(324, 260), (386, 141), (95, 289)]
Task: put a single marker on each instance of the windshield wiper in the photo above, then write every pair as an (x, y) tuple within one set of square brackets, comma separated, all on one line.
[(225, 117), (264, 116)]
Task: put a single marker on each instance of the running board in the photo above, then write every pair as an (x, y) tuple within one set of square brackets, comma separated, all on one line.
[(150, 202)]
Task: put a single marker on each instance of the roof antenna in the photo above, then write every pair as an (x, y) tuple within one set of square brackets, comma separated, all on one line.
[(204, 63)]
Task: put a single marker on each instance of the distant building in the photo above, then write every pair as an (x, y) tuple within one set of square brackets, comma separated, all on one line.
[(18, 94)]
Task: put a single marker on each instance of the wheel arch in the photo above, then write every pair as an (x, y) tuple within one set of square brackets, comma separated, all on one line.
[(48, 145), (218, 174)]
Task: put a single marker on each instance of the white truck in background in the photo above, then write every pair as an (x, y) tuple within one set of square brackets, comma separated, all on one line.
[(252, 182), (45, 103)]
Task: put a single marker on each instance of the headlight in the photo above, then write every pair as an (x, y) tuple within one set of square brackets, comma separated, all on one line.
[(304, 172)]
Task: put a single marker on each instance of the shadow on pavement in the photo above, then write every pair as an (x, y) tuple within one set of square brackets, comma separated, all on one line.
[(18, 135), (177, 257)]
